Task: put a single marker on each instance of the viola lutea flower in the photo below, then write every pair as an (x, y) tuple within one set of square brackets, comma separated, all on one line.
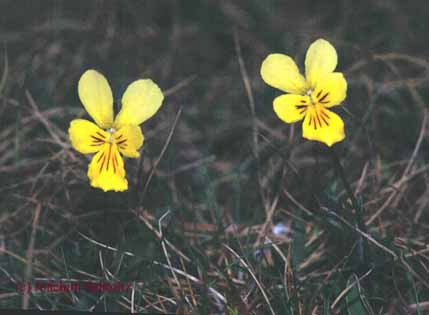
[(109, 138), (311, 97)]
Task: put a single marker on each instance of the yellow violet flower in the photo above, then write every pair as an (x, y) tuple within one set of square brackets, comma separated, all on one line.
[(309, 97), (108, 138)]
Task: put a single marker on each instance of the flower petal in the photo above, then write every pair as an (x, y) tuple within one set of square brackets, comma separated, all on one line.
[(291, 107), (331, 91), (321, 59), (86, 137), (141, 101), (96, 96), (281, 72), (322, 125), (129, 139), (106, 170)]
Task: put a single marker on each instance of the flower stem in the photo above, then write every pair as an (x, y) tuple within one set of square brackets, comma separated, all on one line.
[(362, 246)]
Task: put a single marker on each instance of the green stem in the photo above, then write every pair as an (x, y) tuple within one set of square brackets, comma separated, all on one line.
[(358, 208), (340, 171)]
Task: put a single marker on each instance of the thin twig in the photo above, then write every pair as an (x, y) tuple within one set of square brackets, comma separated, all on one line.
[(179, 85), (167, 142), (48, 125), (29, 256), (150, 226), (167, 257), (405, 173), (346, 290), (193, 279), (251, 102), (365, 235), (267, 300)]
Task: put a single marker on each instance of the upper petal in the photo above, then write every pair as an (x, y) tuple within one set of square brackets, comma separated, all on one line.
[(291, 107), (141, 101), (320, 124), (281, 72), (86, 137), (320, 60), (129, 139), (106, 170), (331, 91), (96, 96)]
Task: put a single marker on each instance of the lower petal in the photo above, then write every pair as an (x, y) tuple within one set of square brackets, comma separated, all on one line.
[(291, 107), (106, 170), (322, 125)]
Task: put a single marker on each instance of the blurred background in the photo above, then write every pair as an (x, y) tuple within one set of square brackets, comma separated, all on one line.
[(224, 189)]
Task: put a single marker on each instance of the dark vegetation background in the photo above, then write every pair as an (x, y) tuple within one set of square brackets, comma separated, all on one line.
[(229, 210)]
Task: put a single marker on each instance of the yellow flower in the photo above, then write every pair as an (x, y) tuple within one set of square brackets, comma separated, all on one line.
[(108, 138), (309, 97)]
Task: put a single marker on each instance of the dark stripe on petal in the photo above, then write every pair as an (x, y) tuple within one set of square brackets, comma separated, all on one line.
[(101, 135), (101, 156), (108, 157), (323, 97), (115, 163), (318, 120), (318, 94), (95, 139), (324, 120), (322, 112), (121, 142), (102, 163)]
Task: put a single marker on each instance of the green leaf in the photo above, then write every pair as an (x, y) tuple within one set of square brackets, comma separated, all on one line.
[(357, 303), (5, 73), (298, 244)]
